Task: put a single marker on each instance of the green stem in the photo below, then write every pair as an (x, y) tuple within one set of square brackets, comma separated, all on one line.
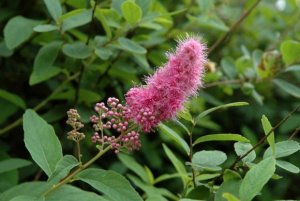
[(79, 169), (78, 151)]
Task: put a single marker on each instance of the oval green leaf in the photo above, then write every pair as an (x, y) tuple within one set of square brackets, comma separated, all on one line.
[(221, 137), (131, 12), (131, 46)]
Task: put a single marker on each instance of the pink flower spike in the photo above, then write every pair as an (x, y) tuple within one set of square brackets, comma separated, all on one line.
[(166, 91)]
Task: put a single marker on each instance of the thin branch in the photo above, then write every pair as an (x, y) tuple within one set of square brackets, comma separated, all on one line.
[(233, 27), (261, 141), (296, 131), (39, 106)]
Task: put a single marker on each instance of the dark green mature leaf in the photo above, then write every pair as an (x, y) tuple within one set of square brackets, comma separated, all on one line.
[(256, 178), (112, 184), (180, 168), (287, 166), (206, 112), (27, 198), (4, 51), (100, 16), (287, 87), (77, 50), (131, 46), (174, 136), (76, 18), (131, 164), (43, 68), (41, 142), (231, 187), (221, 137), (209, 160), (241, 148), (54, 8), (12, 164), (71, 193), (267, 128), (63, 167), (131, 12), (283, 148), (13, 98), (290, 51), (18, 30)]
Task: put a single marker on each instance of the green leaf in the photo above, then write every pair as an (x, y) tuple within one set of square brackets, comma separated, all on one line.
[(203, 177), (103, 52), (290, 51), (221, 137), (185, 114), (206, 112), (174, 136), (131, 46), (43, 68), (131, 12), (267, 128), (110, 183), (12, 164), (292, 68), (27, 198), (283, 148), (180, 168), (256, 178), (131, 164), (287, 166), (77, 50), (18, 30), (241, 148), (229, 175), (13, 98), (71, 193), (54, 8), (45, 28), (25, 189), (99, 15), (76, 18), (4, 51), (41, 142), (287, 87), (165, 177), (63, 167), (209, 160), (231, 187)]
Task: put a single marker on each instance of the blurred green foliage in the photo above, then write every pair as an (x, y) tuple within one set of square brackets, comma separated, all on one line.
[(56, 55)]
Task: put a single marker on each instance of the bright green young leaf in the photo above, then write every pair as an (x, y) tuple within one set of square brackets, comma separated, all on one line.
[(221, 137), (256, 178), (287, 166), (185, 114), (131, 164), (45, 28), (131, 12), (283, 148), (13, 98), (76, 18), (62, 168), (180, 168), (12, 164), (72, 193), (54, 8), (290, 51), (174, 136), (287, 87), (110, 183), (230, 197), (206, 112), (18, 30), (77, 50), (41, 142), (241, 148), (131, 46), (203, 177), (43, 68), (209, 160), (267, 128)]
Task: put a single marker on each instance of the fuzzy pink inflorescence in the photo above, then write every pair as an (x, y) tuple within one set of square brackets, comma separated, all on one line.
[(166, 91)]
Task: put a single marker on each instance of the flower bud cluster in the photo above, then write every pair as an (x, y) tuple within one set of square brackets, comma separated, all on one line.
[(113, 116), (76, 124)]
